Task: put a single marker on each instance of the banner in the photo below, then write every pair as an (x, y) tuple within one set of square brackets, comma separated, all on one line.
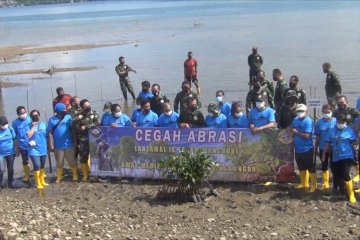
[(242, 156)]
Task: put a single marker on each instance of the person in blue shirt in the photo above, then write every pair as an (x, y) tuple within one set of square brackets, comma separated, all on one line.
[(215, 119), (237, 118), (7, 150), (106, 112), (145, 92), (169, 118), (61, 141), (37, 148), (302, 128), (322, 127), (225, 107), (343, 143), (117, 118), (261, 117), (146, 118), (21, 126)]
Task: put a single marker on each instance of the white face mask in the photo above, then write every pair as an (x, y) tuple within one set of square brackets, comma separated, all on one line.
[(219, 99), (260, 105), (301, 114), (23, 116), (117, 114), (341, 125), (327, 115), (240, 114), (5, 126), (168, 113)]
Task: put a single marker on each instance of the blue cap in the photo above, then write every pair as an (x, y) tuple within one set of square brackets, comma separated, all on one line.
[(59, 107)]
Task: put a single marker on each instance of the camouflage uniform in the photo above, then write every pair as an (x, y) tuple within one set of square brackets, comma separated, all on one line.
[(300, 93), (351, 114), (332, 87), (254, 61), (124, 80), (87, 120), (73, 111), (156, 103), (281, 86), (194, 118), (253, 94), (269, 85), (181, 98)]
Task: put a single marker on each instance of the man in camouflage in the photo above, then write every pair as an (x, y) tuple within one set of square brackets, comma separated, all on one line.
[(254, 61), (293, 85), (265, 83), (254, 93), (182, 97), (192, 117), (123, 71), (332, 85), (84, 121), (280, 88)]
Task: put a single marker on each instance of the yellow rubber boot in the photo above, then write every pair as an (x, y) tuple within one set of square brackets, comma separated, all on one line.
[(350, 190), (75, 175), (357, 176), (302, 180), (85, 170), (42, 178), (26, 172), (325, 180), (313, 182), (307, 177), (37, 180), (59, 174)]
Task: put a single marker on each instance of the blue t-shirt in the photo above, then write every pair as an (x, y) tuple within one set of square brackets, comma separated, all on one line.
[(216, 122), (39, 137), (225, 108), (340, 141), (122, 121), (21, 127), (237, 122), (104, 116), (262, 118), (168, 121), (62, 134), (145, 95), (304, 125), (322, 128), (148, 120), (134, 114), (7, 146)]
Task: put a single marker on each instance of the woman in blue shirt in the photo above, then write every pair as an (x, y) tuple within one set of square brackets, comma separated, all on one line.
[(38, 148), (342, 141), (117, 118), (237, 118), (7, 150)]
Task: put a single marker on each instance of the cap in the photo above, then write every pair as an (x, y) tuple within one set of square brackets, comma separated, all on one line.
[(291, 94), (59, 107), (3, 121), (212, 107), (260, 98), (301, 107)]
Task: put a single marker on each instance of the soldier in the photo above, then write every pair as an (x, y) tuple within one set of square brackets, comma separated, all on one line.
[(264, 82), (75, 107), (293, 85), (85, 120), (215, 118), (182, 97), (190, 71), (261, 117), (255, 92), (254, 61), (288, 110), (62, 97), (123, 71), (157, 101), (225, 107), (280, 88), (332, 86), (192, 117)]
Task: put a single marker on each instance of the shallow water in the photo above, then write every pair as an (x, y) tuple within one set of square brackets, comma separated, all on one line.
[(295, 36)]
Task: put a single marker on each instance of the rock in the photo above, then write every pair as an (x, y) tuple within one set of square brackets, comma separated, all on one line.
[(353, 226), (108, 235), (306, 235), (247, 225), (45, 237), (13, 224), (274, 234), (351, 231), (211, 220), (222, 238), (79, 234)]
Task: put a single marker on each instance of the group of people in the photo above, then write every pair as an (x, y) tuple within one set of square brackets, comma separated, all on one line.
[(267, 107)]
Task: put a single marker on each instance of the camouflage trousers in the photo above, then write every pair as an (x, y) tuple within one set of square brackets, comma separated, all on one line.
[(83, 150), (125, 86)]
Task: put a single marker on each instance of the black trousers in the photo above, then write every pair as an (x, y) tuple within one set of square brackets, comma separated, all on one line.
[(342, 170), (306, 161)]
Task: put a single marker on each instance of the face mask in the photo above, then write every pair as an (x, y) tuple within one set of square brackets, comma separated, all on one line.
[(341, 125), (301, 114), (260, 105), (341, 106), (219, 99), (61, 114), (154, 93), (168, 113), (327, 115), (146, 111), (145, 90), (35, 118), (240, 114), (292, 85), (88, 109), (23, 116), (117, 114), (5, 126)]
